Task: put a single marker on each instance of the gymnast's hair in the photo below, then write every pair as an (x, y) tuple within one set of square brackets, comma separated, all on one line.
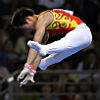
[(19, 17)]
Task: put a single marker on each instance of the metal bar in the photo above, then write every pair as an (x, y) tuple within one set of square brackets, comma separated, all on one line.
[(52, 94), (66, 71), (53, 72), (13, 74), (65, 83)]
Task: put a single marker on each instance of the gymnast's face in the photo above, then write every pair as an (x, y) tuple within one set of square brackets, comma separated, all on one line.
[(31, 21)]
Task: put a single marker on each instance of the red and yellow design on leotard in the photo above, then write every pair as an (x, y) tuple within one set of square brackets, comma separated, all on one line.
[(62, 23)]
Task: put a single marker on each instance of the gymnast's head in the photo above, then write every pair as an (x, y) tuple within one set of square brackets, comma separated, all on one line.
[(24, 18)]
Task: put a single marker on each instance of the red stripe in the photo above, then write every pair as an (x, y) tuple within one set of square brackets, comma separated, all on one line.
[(59, 31)]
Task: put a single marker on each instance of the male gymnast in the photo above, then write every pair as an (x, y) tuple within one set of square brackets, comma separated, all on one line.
[(77, 36)]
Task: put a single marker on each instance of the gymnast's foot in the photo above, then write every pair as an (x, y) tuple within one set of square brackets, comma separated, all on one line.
[(38, 47)]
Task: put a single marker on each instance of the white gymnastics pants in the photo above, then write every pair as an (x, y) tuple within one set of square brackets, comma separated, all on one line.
[(71, 43)]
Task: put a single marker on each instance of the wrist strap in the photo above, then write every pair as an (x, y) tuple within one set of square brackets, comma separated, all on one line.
[(27, 66), (33, 71)]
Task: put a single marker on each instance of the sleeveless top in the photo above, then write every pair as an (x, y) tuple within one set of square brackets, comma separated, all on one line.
[(63, 22)]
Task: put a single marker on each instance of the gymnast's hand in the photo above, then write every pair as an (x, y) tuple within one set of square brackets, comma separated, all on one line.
[(25, 71), (29, 77), (28, 72)]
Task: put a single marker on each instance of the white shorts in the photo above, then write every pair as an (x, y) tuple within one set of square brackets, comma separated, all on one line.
[(71, 43)]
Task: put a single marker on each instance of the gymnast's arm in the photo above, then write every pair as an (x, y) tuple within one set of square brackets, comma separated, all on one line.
[(39, 57), (42, 22)]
